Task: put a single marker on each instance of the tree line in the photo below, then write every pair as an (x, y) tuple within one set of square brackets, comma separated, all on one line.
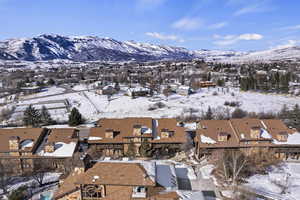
[(35, 118)]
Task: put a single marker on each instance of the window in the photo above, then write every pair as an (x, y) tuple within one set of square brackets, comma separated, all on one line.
[(139, 192)]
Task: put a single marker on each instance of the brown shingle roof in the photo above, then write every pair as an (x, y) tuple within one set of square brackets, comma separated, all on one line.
[(170, 124), (65, 135), (122, 127), (243, 126), (211, 129), (120, 177), (239, 130), (34, 134), (275, 127), (103, 173)]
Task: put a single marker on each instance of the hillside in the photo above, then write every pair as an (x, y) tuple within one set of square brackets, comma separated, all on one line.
[(91, 48)]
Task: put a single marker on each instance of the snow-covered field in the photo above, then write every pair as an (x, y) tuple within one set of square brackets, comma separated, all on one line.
[(47, 91), (124, 106), (94, 106), (273, 184)]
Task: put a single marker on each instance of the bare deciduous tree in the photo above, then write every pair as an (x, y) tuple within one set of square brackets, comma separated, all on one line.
[(40, 170), (229, 165), (6, 175)]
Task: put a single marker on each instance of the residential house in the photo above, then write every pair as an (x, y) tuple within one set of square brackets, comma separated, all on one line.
[(113, 137), (114, 181), (247, 135), (25, 146)]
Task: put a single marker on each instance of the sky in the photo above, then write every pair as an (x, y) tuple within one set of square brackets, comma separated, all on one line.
[(242, 25)]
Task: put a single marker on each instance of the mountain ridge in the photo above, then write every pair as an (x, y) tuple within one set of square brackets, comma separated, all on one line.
[(92, 48)]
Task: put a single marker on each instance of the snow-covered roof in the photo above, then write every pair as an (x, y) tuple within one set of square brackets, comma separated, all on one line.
[(293, 139), (137, 89), (61, 150), (95, 138), (26, 143), (265, 134), (191, 195), (208, 140), (190, 126)]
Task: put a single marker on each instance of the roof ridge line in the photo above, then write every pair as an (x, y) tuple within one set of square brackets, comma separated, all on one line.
[(234, 131)]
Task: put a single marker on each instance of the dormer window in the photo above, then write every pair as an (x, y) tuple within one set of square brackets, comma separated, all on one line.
[(282, 136), (165, 133), (255, 132), (223, 137), (14, 143), (109, 133)]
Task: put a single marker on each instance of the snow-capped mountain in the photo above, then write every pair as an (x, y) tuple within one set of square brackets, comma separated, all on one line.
[(90, 48), (216, 55), (291, 53), (49, 47)]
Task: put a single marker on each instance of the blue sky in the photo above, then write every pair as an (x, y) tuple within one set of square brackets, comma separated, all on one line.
[(194, 24)]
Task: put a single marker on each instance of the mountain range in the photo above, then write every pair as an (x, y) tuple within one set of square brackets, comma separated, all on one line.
[(90, 48)]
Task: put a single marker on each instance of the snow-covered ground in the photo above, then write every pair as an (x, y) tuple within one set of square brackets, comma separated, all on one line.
[(286, 176), (19, 182), (47, 91), (94, 106)]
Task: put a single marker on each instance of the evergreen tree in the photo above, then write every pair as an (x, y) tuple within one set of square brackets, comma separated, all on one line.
[(295, 117), (220, 82), (284, 112), (131, 150), (117, 86), (208, 114), (145, 149), (238, 113), (51, 81), (75, 118), (18, 194), (32, 117), (45, 116)]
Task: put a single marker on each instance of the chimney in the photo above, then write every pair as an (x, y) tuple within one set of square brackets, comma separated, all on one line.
[(109, 133), (255, 132), (14, 143), (137, 130)]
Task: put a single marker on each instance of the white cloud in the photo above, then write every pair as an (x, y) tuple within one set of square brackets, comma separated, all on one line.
[(161, 36), (289, 43), (232, 39), (292, 28), (218, 25), (188, 23), (251, 6), (250, 9)]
